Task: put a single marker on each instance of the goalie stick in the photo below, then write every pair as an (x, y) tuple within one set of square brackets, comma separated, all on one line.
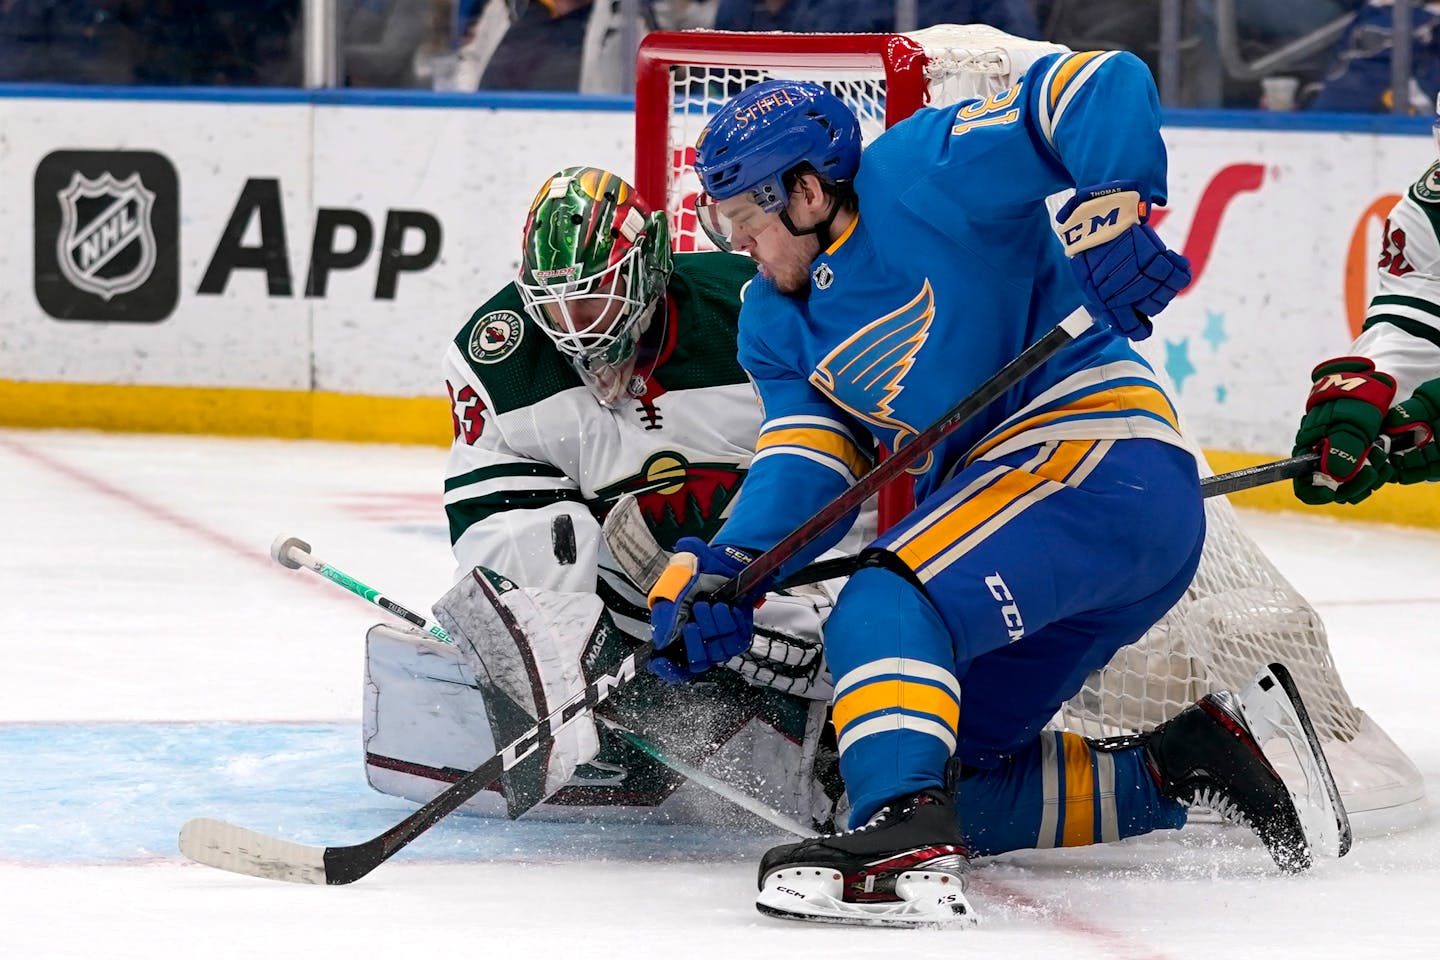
[(295, 553)]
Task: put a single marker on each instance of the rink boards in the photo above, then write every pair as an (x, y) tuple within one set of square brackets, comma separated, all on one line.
[(293, 264)]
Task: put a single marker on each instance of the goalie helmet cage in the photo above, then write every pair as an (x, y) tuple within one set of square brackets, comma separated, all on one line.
[(1239, 613)]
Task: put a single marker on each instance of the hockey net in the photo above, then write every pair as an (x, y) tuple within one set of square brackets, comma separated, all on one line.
[(1239, 612)]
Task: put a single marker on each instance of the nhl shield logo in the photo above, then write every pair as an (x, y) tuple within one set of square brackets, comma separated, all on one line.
[(106, 244)]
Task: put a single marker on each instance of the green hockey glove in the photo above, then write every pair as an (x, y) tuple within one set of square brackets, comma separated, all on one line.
[(1419, 416), (1342, 420)]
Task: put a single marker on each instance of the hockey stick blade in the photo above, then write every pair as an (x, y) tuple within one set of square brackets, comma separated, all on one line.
[(225, 846)]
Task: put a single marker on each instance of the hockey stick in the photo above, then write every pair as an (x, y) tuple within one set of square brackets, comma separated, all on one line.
[(237, 849), (240, 850), (295, 553), (642, 558), (1289, 468), (888, 469)]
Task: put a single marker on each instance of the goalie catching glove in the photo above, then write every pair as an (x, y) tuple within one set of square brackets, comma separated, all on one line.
[(1125, 271), (1344, 416), (691, 632)]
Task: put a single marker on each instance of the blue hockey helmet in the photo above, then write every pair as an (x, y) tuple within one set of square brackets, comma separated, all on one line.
[(768, 130)]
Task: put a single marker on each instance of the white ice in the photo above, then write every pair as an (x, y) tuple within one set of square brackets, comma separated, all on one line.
[(156, 665)]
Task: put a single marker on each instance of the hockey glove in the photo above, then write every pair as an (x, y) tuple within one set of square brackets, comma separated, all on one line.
[(1342, 421), (1125, 272), (1419, 416), (692, 633)]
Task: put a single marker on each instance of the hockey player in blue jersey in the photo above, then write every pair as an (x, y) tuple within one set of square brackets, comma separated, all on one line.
[(1051, 530)]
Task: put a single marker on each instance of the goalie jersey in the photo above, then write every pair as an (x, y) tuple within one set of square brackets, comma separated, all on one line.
[(536, 462), (949, 271), (1402, 325)]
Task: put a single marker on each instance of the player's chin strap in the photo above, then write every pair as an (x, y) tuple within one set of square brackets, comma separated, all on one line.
[(821, 230)]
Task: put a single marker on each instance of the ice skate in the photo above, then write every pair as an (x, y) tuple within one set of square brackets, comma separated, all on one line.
[(904, 868), (1209, 755)]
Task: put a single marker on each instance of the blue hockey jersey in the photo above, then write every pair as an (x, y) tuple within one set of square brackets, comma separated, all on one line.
[(950, 270)]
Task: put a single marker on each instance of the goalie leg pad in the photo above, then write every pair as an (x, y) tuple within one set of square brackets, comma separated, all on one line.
[(525, 649)]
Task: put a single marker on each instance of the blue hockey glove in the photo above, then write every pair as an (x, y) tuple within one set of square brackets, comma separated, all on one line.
[(1126, 273), (690, 633)]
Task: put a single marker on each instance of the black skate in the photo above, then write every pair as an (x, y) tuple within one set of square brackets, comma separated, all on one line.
[(904, 868), (1209, 755)]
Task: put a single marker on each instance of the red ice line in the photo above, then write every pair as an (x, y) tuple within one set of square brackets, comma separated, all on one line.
[(156, 512)]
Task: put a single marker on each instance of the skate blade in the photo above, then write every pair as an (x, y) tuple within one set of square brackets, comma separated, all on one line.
[(926, 899), (1273, 707)]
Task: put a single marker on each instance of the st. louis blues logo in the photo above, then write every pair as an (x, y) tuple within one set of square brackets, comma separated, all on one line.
[(865, 374), (106, 244)]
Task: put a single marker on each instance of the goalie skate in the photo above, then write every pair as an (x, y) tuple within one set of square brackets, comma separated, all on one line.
[(905, 869), (1209, 755), (1274, 708)]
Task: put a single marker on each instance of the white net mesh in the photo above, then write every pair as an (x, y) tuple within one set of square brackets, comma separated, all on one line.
[(1239, 613)]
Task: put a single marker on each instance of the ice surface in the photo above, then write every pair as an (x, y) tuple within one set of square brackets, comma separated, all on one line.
[(156, 665)]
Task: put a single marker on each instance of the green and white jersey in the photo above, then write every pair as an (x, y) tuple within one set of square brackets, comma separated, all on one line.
[(537, 462), (1402, 325)]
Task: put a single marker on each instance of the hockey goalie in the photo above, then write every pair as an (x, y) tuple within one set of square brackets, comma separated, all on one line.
[(606, 371)]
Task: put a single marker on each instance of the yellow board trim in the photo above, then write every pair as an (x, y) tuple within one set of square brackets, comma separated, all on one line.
[(301, 414), (226, 411)]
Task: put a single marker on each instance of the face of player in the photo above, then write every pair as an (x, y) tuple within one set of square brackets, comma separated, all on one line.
[(781, 255)]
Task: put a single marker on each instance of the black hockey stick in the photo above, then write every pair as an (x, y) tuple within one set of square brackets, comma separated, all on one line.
[(1217, 486), (229, 847), (888, 469), (240, 850)]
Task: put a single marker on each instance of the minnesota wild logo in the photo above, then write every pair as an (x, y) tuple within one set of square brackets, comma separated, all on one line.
[(677, 497)]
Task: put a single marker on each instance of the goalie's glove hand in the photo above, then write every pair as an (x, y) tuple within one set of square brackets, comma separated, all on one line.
[(1417, 419), (691, 631), (1125, 272), (1343, 418)]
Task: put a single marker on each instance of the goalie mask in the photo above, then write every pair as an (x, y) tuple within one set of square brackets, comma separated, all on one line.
[(594, 270)]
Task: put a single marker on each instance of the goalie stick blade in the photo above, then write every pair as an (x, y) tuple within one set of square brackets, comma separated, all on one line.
[(632, 544), (225, 846)]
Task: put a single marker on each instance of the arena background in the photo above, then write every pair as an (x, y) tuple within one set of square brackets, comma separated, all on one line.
[(296, 261)]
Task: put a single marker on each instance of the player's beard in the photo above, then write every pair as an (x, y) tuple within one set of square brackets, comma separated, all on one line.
[(791, 272)]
